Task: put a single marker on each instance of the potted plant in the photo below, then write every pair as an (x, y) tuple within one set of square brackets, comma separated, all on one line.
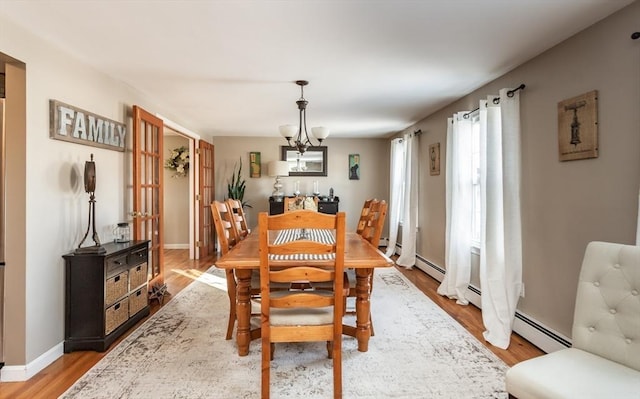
[(235, 188)]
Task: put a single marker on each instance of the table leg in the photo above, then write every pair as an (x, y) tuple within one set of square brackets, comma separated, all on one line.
[(363, 308), (243, 337)]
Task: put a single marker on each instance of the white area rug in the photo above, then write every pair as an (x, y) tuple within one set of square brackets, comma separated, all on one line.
[(180, 352)]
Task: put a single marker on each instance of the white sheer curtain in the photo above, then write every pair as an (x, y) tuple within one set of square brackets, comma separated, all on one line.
[(396, 175), (501, 233), (410, 202), (403, 198), (459, 186)]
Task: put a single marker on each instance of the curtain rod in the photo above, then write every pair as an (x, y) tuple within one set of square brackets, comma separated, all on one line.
[(635, 35), (415, 133), (496, 100)]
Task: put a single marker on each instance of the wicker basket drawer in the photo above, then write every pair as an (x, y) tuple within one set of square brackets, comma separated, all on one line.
[(138, 275), (116, 287), (138, 300), (116, 315)]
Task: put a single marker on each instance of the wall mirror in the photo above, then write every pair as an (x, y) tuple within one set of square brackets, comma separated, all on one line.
[(312, 163)]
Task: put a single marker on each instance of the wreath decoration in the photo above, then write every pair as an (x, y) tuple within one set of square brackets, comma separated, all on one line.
[(178, 161)]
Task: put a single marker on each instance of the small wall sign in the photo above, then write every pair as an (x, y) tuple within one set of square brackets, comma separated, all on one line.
[(254, 164), (578, 127), (69, 123), (354, 166), (434, 159)]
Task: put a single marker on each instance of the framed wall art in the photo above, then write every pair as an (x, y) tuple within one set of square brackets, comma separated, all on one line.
[(578, 127), (434, 159), (255, 167), (354, 166)]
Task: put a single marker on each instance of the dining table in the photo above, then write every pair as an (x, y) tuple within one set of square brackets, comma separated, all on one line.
[(359, 255)]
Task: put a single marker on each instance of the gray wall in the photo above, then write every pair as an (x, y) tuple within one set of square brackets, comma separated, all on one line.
[(565, 205), (374, 172)]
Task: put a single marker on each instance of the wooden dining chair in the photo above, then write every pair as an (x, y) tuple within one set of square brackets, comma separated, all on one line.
[(364, 213), (227, 239), (370, 228), (301, 316), (235, 208)]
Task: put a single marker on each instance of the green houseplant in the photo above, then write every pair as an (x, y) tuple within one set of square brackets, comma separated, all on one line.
[(235, 188)]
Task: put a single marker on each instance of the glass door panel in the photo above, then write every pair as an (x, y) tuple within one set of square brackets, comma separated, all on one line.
[(147, 194)]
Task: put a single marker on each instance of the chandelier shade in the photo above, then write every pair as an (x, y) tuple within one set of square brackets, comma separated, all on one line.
[(299, 134), (288, 131), (320, 132)]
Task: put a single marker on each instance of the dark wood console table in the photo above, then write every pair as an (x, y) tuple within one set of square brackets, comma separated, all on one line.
[(105, 294), (324, 206)]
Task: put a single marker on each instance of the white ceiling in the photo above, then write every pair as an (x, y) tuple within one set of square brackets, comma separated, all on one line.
[(375, 67)]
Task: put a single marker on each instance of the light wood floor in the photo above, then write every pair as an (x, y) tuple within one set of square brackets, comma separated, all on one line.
[(470, 318), (180, 272)]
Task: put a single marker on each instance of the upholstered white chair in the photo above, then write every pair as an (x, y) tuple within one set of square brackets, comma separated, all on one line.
[(604, 361)]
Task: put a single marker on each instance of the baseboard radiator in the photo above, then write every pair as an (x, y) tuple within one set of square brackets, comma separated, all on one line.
[(530, 329)]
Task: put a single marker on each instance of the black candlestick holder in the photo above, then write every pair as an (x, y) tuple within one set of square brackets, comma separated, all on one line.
[(90, 187)]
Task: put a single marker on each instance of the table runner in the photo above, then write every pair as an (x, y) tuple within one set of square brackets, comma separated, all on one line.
[(324, 236)]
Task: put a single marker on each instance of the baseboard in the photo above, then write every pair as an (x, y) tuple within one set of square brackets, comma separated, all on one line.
[(24, 372), (524, 325), (176, 246), (538, 334), (437, 273)]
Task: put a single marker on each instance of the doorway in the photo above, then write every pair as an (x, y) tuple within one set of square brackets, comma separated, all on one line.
[(182, 190), (178, 172)]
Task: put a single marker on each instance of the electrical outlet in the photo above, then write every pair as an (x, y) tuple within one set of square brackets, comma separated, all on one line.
[(522, 291)]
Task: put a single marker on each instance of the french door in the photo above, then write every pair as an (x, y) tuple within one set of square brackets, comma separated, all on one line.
[(147, 188), (207, 193)]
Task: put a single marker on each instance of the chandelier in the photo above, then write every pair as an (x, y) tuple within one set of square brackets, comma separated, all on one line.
[(302, 142)]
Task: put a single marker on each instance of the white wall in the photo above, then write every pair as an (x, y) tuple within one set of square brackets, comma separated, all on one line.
[(56, 204)]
